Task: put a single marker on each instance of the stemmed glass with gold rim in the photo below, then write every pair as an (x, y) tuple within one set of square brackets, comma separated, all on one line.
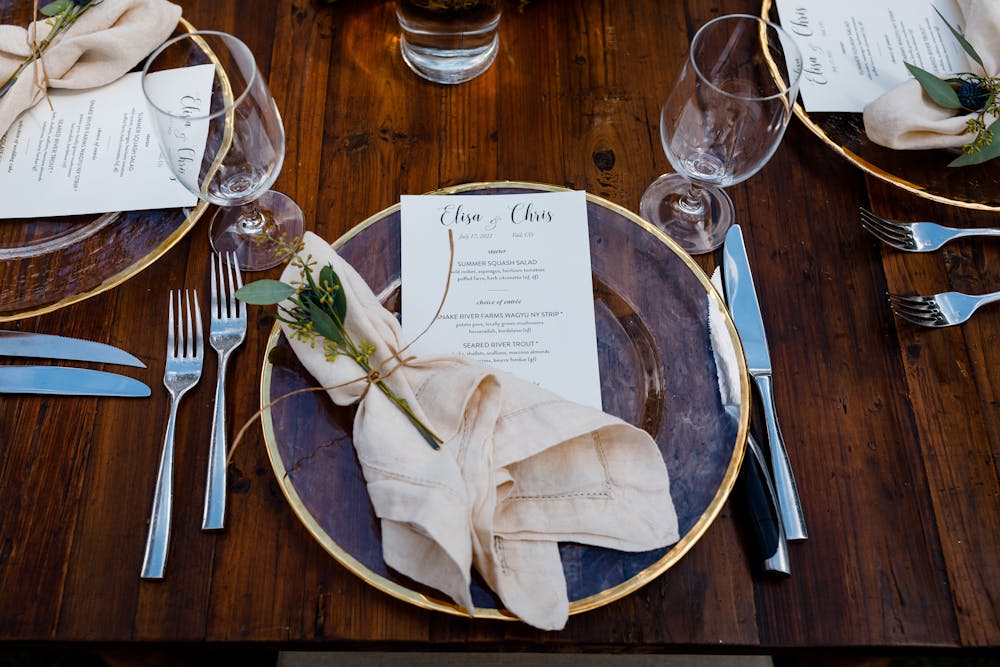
[(222, 137)]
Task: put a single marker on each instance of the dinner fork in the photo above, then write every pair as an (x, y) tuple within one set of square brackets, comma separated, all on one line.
[(185, 352), (917, 236), (228, 329), (939, 310)]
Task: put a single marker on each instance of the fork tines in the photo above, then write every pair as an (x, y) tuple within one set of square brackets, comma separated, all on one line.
[(922, 310), (226, 279), (191, 345), (915, 304), (892, 233)]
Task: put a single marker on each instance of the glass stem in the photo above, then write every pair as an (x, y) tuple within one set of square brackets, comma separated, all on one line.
[(252, 220), (691, 202)]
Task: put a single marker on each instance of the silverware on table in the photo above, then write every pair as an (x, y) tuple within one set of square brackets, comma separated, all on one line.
[(185, 353), (68, 382), (917, 236), (758, 490), (742, 299), (939, 310), (48, 346), (227, 331), (762, 503)]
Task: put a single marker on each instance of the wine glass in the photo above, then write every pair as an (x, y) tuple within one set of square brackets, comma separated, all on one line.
[(222, 137), (722, 121)]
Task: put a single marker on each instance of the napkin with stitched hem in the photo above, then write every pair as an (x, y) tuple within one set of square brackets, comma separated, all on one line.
[(905, 118), (520, 469), (107, 41)]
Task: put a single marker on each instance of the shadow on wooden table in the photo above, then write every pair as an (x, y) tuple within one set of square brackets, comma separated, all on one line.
[(943, 661), (36, 656), (41, 656)]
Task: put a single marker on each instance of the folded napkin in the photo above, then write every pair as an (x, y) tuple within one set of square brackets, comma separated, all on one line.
[(107, 41), (520, 469), (727, 366), (905, 118)]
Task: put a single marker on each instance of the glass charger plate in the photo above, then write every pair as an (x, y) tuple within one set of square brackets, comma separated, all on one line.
[(923, 173), (49, 263), (657, 371)]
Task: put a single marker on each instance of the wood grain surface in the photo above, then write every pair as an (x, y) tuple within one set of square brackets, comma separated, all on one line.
[(893, 431)]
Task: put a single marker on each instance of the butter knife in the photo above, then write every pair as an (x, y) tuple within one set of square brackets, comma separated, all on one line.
[(48, 346), (745, 310), (67, 381)]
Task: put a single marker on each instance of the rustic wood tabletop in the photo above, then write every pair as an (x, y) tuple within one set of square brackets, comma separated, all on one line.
[(893, 431)]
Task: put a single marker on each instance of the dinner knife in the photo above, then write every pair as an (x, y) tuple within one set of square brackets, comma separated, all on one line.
[(745, 309), (48, 346), (760, 499), (67, 381)]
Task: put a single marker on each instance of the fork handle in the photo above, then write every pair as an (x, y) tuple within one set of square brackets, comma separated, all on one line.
[(784, 483), (963, 232), (158, 539), (983, 299), (214, 514)]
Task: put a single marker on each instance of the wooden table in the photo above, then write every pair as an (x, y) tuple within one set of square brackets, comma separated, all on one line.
[(893, 431)]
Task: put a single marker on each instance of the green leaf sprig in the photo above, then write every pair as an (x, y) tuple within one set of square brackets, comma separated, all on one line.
[(970, 93), (317, 313), (61, 15)]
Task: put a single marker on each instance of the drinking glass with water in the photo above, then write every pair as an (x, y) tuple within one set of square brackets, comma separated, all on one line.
[(449, 41)]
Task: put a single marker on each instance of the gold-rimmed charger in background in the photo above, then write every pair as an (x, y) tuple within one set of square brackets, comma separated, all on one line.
[(651, 306), (923, 173), (52, 262)]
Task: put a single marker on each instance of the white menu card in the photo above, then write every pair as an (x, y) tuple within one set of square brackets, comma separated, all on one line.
[(94, 151), (853, 51), (520, 296)]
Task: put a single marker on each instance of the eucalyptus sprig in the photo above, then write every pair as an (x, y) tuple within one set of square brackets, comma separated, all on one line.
[(971, 93), (317, 314), (61, 15)]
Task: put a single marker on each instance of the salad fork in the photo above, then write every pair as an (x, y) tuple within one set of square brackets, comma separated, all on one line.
[(227, 331), (917, 236), (185, 352), (939, 310)]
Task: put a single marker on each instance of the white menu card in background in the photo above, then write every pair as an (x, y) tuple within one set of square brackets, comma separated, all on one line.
[(521, 294), (853, 51), (95, 151)]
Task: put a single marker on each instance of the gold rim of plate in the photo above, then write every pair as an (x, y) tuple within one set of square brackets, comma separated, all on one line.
[(117, 279), (585, 604), (864, 164)]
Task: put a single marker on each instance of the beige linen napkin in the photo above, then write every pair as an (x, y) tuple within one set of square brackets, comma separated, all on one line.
[(519, 471), (905, 118), (727, 366), (107, 41)]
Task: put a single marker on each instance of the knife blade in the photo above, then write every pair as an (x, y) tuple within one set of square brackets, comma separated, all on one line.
[(67, 381), (49, 346), (745, 309), (761, 501)]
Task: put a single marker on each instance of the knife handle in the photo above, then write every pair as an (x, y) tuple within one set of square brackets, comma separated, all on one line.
[(762, 503), (784, 483)]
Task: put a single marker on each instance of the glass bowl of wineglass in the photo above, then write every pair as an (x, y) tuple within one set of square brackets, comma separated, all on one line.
[(723, 119), (222, 138)]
